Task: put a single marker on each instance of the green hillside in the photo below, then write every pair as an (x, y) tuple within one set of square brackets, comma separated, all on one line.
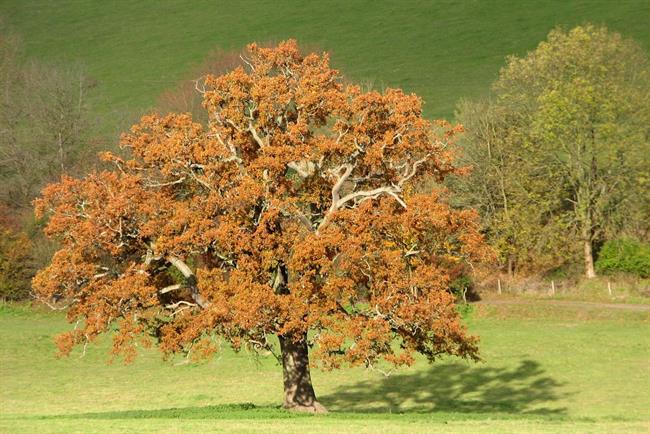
[(442, 50)]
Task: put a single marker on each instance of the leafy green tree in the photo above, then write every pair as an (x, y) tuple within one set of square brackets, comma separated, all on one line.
[(562, 148), (523, 225)]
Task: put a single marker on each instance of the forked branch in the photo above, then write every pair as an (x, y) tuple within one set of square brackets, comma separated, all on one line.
[(187, 272)]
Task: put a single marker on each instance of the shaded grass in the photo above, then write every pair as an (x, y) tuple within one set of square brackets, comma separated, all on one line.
[(250, 411), (226, 411), (442, 50), (525, 389)]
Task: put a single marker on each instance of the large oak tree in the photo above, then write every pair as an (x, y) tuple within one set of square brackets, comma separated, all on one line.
[(294, 214)]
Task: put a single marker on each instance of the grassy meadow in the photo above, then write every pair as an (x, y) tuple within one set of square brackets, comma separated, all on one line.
[(442, 50), (546, 368)]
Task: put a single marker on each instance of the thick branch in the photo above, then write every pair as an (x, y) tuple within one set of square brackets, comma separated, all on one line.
[(304, 168), (339, 183), (391, 190), (170, 288), (336, 191), (257, 138), (187, 272), (408, 175)]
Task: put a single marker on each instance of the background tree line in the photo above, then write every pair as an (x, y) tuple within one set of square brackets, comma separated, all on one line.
[(46, 129)]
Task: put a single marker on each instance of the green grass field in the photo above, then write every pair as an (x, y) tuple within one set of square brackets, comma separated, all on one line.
[(442, 50), (545, 369)]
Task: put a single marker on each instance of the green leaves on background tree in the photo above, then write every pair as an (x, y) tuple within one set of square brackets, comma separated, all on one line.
[(561, 151), (522, 224)]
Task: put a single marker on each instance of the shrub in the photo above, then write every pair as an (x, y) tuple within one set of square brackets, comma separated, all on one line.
[(463, 289), (14, 265), (626, 255)]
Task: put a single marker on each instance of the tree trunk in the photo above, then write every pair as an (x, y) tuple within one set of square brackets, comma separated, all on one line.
[(511, 265), (587, 237), (589, 260), (298, 390)]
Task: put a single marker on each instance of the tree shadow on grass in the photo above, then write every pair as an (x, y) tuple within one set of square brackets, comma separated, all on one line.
[(446, 388), (223, 411), (456, 388)]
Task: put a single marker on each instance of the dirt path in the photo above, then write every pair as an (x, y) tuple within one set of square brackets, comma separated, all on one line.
[(569, 303)]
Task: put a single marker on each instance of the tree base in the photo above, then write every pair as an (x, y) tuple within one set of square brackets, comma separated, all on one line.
[(315, 407), (298, 391)]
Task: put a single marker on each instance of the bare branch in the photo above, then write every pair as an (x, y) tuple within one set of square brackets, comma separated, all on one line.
[(150, 257), (371, 194), (191, 278), (398, 199), (250, 65), (164, 184), (341, 135), (411, 251), (257, 138), (304, 168), (413, 170), (180, 303), (53, 307), (171, 288), (200, 89), (200, 181), (185, 305), (336, 192), (341, 180)]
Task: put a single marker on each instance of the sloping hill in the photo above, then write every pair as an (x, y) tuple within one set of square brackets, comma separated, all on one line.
[(442, 50)]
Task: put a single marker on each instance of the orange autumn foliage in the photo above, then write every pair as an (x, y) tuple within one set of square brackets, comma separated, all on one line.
[(294, 210)]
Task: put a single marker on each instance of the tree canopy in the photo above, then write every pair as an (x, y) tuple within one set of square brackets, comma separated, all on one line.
[(295, 210)]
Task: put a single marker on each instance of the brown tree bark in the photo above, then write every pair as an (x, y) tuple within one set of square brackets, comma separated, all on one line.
[(298, 391)]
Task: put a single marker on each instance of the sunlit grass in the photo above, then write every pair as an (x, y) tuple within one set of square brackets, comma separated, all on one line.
[(543, 370)]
